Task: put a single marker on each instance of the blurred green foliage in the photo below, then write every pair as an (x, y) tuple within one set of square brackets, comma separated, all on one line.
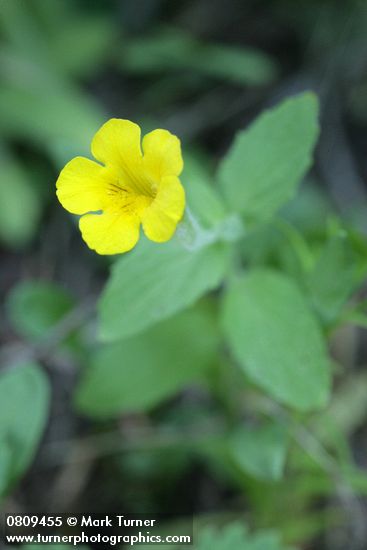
[(23, 411), (221, 373), (113, 383), (34, 307), (260, 450), (174, 50), (236, 536)]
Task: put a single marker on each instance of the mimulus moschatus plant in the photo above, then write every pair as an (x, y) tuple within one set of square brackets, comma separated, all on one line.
[(135, 184)]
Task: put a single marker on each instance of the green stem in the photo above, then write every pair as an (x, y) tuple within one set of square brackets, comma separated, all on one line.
[(193, 236)]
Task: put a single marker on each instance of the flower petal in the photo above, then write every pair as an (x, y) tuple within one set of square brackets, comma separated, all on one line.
[(162, 154), (162, 216), (81, 186), (117, 144), (111, 232)]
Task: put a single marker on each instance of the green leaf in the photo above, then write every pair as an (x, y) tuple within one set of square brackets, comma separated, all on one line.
[(24, 402), (20, 204), (246, 66), (80, 44), (34, 307), (156, 281), (23, 113), (267, 161), (260, 451), (55, 547), (276, 340), (232, 536), (49, 110), (340, 269), (236, 536), (309, 210), (5, 465), (20, 29), (201, 195), (138, 373), (46, 110), (174, 50)]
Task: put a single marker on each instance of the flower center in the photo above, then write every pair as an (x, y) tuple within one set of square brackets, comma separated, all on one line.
[(133, 197)]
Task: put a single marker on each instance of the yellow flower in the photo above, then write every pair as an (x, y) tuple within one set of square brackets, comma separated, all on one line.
[(129, 188)]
